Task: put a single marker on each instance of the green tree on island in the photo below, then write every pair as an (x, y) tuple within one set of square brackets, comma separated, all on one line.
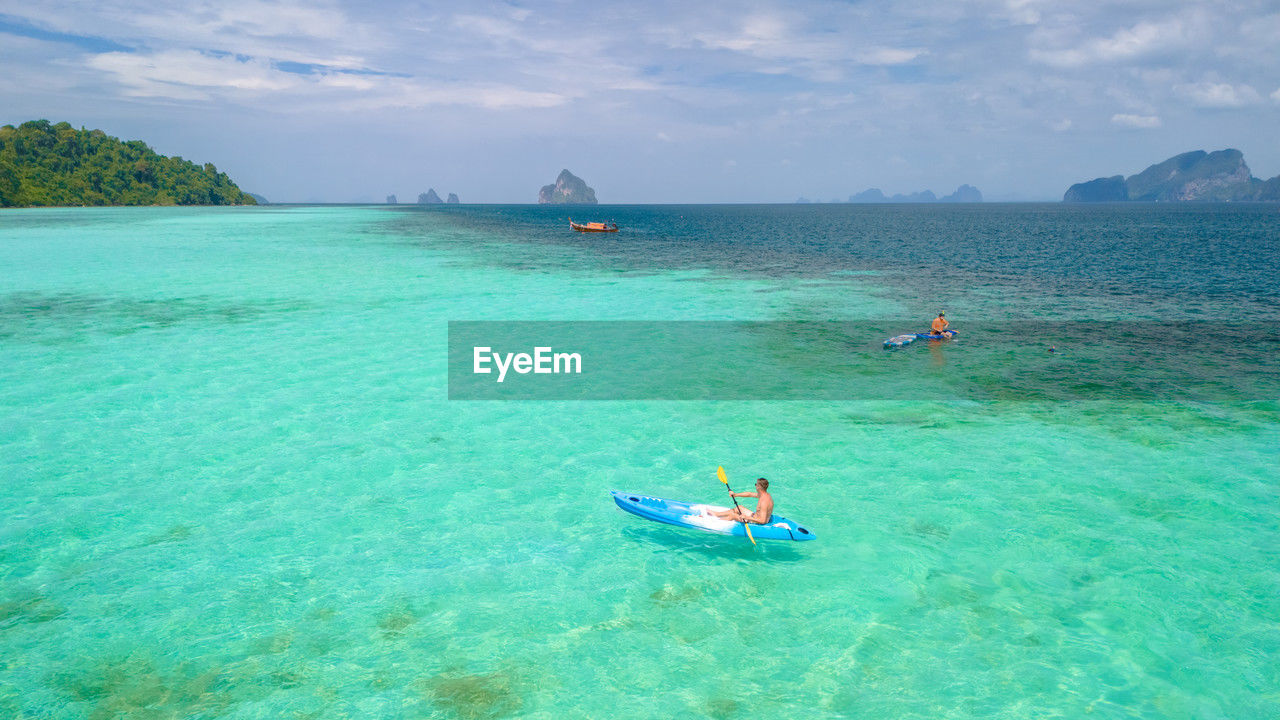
[(43, 164)]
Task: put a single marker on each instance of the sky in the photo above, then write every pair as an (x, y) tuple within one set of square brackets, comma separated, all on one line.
[(654, 102)]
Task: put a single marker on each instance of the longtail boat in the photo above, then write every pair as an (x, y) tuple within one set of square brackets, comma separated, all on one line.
[(594, 226)]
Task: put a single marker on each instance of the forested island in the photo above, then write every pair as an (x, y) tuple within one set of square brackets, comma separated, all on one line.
[(43, 164), (1196, 176)]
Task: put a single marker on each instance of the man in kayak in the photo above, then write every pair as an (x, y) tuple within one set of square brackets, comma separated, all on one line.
[(940, 324), (764, 506)]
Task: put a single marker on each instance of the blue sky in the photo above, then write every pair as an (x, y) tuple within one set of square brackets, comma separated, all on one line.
[(654, 101)]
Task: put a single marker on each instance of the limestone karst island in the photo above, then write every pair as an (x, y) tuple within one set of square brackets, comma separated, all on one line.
[(568, 189), (1220, 176)]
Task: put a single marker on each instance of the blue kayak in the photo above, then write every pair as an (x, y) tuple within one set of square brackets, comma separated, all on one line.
[(900, 340), (699, 517)]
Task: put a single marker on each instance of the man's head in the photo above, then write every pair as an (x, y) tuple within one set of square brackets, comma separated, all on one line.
[(762, 484), (942, 314)]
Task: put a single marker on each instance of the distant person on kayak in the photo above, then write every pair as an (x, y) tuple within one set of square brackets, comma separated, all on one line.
[(940, 324), (764, 507)]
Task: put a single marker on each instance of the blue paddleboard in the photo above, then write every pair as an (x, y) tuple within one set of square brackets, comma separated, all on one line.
[(699, 517), (900, 340)]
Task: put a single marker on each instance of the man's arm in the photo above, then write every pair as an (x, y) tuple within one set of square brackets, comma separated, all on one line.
[(745, 494)]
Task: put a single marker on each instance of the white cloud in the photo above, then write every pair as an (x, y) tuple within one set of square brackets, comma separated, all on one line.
[(305, 32), (348, 81), (761, 35), (520, 34), (791, 45), (887, 56), (214, 21), (1132, 42), (490, 97), (1136, 121), (187, 75), (1022, 12), (1219, 95), (723, 80), (191, 75)]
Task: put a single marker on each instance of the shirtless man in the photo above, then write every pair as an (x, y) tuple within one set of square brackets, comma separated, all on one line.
[(940, 324), (764, 507)]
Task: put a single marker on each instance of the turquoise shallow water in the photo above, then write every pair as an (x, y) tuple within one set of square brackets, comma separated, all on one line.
[(234, 487)]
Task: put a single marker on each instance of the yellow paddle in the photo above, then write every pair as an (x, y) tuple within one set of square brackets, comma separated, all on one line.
[(724, 479)]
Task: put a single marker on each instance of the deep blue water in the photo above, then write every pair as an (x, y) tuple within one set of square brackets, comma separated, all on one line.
[(1183, 252)]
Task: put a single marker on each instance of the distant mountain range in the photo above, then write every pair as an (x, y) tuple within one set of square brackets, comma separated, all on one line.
[(430, 197), (1197, 176), (963, 194), (46, 164)]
